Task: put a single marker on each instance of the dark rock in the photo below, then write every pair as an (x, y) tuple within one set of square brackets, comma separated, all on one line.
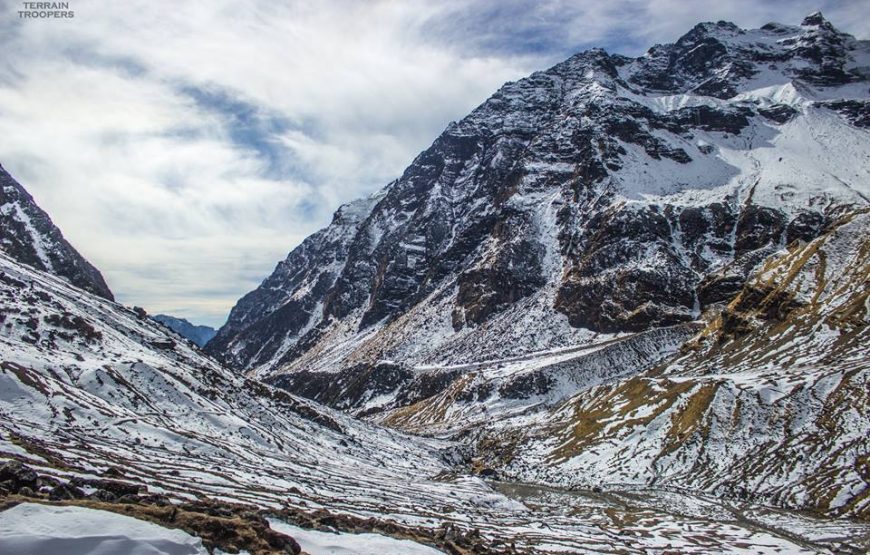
[(857, 112), (75, 323), (806, 226), (113, 472), (525, 385), (17, 475), (27, 492), (779, 113), (114, 487), (163, 344), (103, 495), (65, 491), (155, 499)]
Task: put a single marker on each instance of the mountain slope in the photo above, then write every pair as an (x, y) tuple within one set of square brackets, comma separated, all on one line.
[(82, 376), (604, 196), (94, 394), (198, 334), (770, 401), (28, 235)]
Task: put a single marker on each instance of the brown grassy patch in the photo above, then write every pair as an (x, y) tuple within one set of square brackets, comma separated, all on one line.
[(610, 410), (689, 419)]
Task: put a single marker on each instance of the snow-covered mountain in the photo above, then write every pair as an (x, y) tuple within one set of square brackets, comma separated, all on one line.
[(196, 333), (28, 235), (88, 387), (639, 287), (603, 197), (771, 400), (94, 395), (644, 271)]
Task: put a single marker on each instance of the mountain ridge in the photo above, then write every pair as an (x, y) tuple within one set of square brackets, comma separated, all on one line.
[(28, 234), (638, 290), (101, 406), (199, 334), (605, 195)]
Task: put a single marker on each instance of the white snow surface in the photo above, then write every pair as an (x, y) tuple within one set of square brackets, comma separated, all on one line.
[(34, 529), (315, 542)]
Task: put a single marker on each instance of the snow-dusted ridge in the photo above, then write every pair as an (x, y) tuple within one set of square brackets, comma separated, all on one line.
[(603, 196), (28, 235)]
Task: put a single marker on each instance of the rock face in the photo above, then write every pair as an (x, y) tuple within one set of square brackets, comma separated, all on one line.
[(198, 334), (28, 235), (604, 195)]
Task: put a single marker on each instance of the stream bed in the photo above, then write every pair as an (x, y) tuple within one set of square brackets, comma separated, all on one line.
[(681, 518)]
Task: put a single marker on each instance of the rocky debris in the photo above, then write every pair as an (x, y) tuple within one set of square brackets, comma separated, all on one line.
[(65, 491), (28, 235), (15, 475)]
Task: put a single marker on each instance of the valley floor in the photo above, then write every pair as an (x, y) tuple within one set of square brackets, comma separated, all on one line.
[(486, 517)]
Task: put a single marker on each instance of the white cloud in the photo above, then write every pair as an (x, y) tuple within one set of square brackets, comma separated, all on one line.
[(185, 147)]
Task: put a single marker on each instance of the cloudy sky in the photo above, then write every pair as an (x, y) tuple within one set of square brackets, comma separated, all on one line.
[(185, 147)]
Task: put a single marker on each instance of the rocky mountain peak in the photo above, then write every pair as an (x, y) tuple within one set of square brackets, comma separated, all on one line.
[(603, 195), (816, 19)]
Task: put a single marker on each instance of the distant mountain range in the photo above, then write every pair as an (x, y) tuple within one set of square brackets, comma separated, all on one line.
[(198, 334)]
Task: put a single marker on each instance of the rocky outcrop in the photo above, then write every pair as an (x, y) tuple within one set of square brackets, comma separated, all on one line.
[(768, 402)]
